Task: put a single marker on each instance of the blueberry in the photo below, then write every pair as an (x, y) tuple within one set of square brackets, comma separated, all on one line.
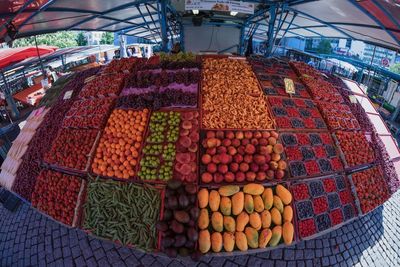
[(323, 222), (340, 182), (315, 139), (330, 151), (348, 212), (279, 111), (289, 139), (304, 209), (316, 188), (309, 103), (333, 201), (270, 91), (307, 153), (320, 124), (324, 165), (297, 123), (305, 113), (297, 169), (288, 103)]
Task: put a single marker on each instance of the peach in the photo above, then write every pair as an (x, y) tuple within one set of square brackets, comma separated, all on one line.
[(212, 167), (234, 167), (222, 168), (205, 159), (274, 134), (250, 176), (261, 176), (282, 165), (275, 157), (244, 167), (273, 165), (239, 135), (248, 158), (266, 135), (229, 177), (278, 148), (240, 177), (213, 142), (229, 135), (272, 141)]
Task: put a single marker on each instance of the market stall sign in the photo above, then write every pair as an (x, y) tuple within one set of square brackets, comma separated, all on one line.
[(289, 86), (68, 94), (220, 5)]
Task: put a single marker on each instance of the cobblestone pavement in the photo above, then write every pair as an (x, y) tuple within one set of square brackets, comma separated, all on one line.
[(28, 238)]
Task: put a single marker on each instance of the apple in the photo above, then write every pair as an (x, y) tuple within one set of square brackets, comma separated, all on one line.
[(206, 178), (273, 165), (234, 167), (244, 167), (245, 142), (205, 159), (279, 174), (272, 141), (219, 134), (270, 174), (282, 165), (232, 151), (211, 151), (212, 167), (265, 135), (259, 159), (274, 134), (238, 158), (254, 141), (226, 142), (221, 150), (216, 159), (229, 177), (239, 135), (257, 134), (248, 158), (222, 168), (250, 176), (248, 135), (225, 158), (264, 167), (262, 141), (236, 142), (261, 176), (230, 135), (210, 134), (254, 167), (240, 177), (213, 142), (240, 150), (250, 149), (218, 178)]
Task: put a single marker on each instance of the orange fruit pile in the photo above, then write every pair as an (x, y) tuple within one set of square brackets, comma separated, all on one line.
[(118, 150)]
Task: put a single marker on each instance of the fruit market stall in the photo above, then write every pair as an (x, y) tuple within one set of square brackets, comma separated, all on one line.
[(190, 155)]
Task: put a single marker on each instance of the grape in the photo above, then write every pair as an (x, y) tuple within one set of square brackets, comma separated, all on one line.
[(304, 209), (316, 188), (334, 201), (323, 222)]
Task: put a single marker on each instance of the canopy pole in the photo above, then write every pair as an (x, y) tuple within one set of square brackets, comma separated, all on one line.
[(271, 26), (163, 22), (241, 40), (40, 59), (9, 99), (182, 36), (286, 30)]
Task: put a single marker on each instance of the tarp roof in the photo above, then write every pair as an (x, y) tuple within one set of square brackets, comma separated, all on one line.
[(9, 56), (374, 21)]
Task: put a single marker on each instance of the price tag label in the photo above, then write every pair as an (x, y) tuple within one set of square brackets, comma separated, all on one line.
[(68, 95), (289, 86), (353, 99)]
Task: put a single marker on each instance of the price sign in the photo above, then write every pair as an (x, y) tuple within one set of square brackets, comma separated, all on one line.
[(68, 94), (289, 86), (353, 99)]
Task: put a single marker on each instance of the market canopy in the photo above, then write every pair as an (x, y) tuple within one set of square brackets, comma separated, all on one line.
[(9, 56), (373, 21)]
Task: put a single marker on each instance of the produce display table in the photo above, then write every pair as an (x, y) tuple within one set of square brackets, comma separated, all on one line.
[(189, 155)]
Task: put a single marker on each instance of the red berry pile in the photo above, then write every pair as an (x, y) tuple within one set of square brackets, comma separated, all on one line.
[(326, 138), (303, 139), (312, 167), (336, 164), (319, 152), (329, 185), (336, 216), (283, 122), (300, 192), (345, 197), (307, 227), (320, 205), (293, 153)]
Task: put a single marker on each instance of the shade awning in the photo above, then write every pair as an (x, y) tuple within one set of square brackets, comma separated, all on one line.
[(10, 56)]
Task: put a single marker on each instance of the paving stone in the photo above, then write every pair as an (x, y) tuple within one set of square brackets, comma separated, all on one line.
[(289, 254), (276, 254)]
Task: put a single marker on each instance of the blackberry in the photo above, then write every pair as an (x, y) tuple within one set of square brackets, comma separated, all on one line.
[(270, 91), (315, 139), (297, 169), (304, 209), (319, 123), (324, 165), (307, 153), (330, 151), (305, 113), (340, 183), (333, 201), (288, 103), (289, 139), (297, 123), (309, 103), (323, 222), (279, 111), (316, 188), (348, 212)]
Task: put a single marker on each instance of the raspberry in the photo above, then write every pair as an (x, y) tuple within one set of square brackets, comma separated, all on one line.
[(293, 153), (300, 192), (345, 197), (312, 167), (329, 185), (319, 152), (283, 122), (320, 205), (307, 228), (336, 216), (303, 139)]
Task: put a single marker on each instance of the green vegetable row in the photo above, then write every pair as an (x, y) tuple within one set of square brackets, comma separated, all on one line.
[(123, 212)]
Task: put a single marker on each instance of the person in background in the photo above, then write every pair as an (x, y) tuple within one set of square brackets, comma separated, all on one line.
[(311, 63)]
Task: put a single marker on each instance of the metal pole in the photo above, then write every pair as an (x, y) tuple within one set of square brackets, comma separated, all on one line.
[(9, 99), (182, 36), (370, 65), (241, 40), (40, 59), (163, 22), (271, 26)]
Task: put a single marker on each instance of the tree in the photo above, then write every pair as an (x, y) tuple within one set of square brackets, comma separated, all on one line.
[(81, 39), (107, 38), (60, 39), (395, 68), (324, 47)]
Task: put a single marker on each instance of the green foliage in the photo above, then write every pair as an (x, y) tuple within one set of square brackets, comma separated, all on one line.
[(107, 38), (395, 68), (81, 39), (60, 39), (324, 47)]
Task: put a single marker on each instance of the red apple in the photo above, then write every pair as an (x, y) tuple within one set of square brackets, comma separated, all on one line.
[(240, 150), (218, 178), (279, 174), (254, 141), (211, 151), (221, 150), (212, 167), (265, 135), (238, 158), (259, 159), (219, 134), (240, 177), (225, 158), (232, 151), (236, 142), (248, 135), (245, 142), (239, 135), (222, 168), (250, 149), (263, 150), (216, 159), (261, 176), (226, 142), (234, 167), (262, 141), (257, 134), (230, 135), (250, 176), (205, 159), (248, 158), (244, 167), (264, 167), (210, 134), (229, 177), (254, 167), (206, 178), (270, 174)]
